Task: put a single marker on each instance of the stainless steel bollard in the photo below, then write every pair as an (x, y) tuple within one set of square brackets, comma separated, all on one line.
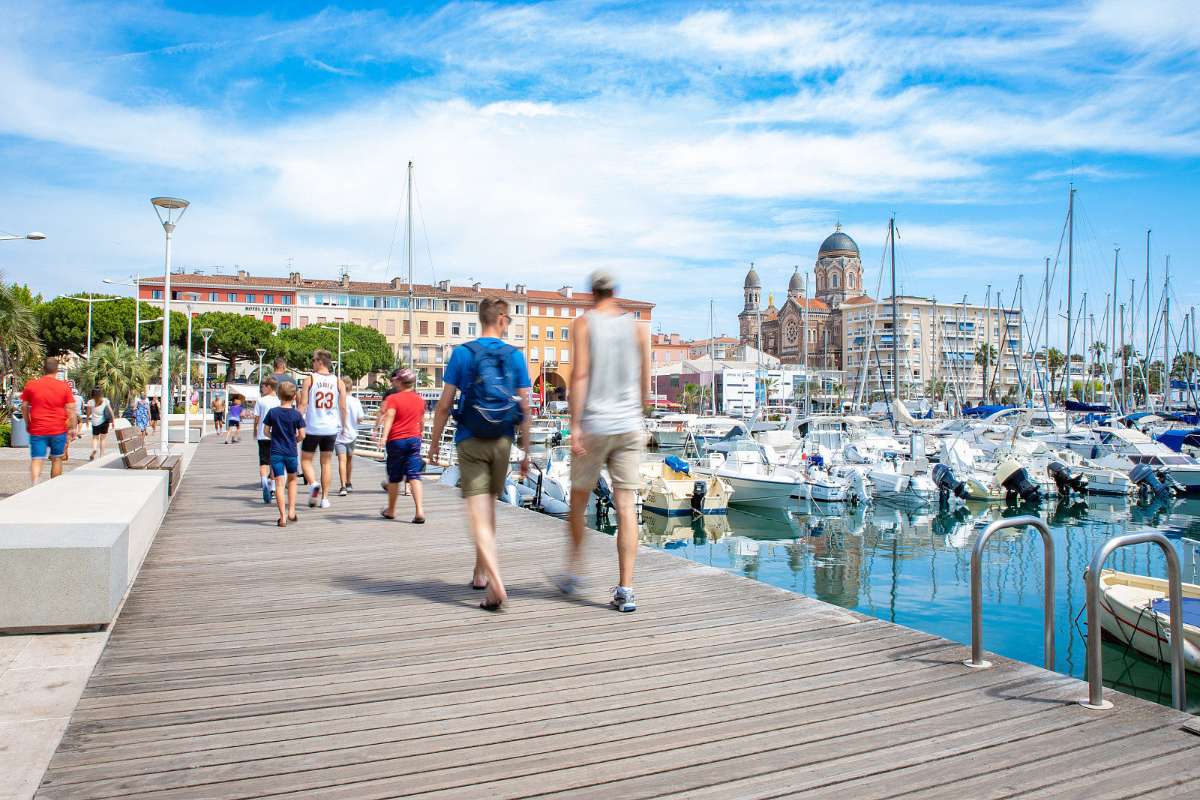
[(977, 661), (1095, 666)]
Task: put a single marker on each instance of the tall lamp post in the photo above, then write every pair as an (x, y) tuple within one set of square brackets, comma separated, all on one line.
[(166, 208), (187, 375), (207, 334), (91, 301), (262, 351), (338, 328)]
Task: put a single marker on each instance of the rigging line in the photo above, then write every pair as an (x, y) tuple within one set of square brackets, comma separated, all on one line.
[(425, 232), (387, 268)]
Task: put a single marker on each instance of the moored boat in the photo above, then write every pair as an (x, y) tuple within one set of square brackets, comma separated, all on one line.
[(1136, 611)]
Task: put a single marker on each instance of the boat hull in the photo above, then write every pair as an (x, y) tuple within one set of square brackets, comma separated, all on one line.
[(1124, 616)]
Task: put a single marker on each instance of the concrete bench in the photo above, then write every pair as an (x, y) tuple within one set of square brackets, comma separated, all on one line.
[(132, 444), (70, 547)]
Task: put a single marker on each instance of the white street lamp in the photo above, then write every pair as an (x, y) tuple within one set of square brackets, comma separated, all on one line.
[(36, 236), (338, 328), (91, 301), (206, 333), (134, 281), (262, 351), (187, 377), (167, 206)]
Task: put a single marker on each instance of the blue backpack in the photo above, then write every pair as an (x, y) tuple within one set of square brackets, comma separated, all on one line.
[(487, 406)]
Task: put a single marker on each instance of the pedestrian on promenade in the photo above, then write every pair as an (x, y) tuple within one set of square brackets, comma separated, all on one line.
[(281, 374), (284, 426), (49, 410), (233, 425), (155, 414), (267, 400), (100, 413), (403, 416), (610, 387), (343, 445), (141, 413), (322, 401), (493, 403), (218, 412), (379, 430)]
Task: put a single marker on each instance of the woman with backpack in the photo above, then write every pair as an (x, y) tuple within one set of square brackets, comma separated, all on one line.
[(100, 414), (493, 404)]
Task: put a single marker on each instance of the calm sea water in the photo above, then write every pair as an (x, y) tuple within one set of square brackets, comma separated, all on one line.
[(913, 568)]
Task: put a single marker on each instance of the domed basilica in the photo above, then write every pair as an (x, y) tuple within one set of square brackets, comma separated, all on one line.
[(781, 332)]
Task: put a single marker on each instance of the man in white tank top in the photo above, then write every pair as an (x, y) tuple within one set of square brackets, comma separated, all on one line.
[(610, 387), (322, 401)]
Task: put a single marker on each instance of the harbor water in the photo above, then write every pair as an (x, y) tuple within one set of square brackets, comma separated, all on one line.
[(912, 567)]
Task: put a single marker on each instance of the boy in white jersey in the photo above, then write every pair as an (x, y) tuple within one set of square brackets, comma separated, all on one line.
[(266, 401), (322, 401)]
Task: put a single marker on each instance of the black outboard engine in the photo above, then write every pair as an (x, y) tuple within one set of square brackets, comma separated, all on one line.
[(1148, 483), (1065, 480), (1017, 483), (948, 483), (604, 498), (699, 491)]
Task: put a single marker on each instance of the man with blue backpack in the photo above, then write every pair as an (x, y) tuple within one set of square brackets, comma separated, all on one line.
[(492, 385)]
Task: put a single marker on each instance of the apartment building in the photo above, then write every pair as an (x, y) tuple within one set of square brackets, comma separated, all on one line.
[(270, 299), (935, 342)]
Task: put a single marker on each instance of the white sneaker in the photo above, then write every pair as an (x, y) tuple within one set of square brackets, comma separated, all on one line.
[(325, 503), (623, 600), (314, 495)]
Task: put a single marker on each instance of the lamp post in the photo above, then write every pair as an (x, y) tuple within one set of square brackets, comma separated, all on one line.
[(338, 328), (91, 301), (135, 282), (262, 351), (206, 333), (165, 208), (187, 375), (36, 236)]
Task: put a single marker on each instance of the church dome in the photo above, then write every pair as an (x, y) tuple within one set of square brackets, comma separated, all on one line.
[(752, 281), (796, 284), (838, 244)]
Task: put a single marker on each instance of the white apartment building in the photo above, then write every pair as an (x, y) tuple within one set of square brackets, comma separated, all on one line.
[(936, 342)]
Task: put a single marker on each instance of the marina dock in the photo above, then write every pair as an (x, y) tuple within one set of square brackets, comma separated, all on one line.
[(344, 657)]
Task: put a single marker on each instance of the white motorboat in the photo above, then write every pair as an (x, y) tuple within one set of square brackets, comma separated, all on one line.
[(901, 482), (670, 489), (671, 430), (1135, 610), (546, 431), (754, 479), (837, 484)]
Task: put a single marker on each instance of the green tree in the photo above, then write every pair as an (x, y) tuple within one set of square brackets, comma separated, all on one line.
[(236, 337), (20, 344), (935, 389), (116, 370), (1055, 360), (689, 397), (1183, 364), (985, 356), (64, 323), (372, 353)]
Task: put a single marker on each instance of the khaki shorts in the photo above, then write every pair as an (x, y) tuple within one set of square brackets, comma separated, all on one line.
[(483, 465), (620, 452)]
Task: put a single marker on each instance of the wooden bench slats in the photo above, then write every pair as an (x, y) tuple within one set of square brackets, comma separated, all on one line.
[(132, 444)]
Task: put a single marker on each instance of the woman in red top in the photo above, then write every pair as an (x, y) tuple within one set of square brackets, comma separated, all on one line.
[(403, 415)]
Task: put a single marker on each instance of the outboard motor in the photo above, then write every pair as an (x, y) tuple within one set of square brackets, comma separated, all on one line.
[(1148, 483), (1017, 483), (604, 498), (1065, 480), (699, 491), (948, 483)]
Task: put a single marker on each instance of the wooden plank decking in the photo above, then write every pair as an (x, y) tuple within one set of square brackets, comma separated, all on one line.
[(343, 657)]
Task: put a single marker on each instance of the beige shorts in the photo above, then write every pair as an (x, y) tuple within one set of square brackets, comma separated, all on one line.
[(483, 465), (620, 452)]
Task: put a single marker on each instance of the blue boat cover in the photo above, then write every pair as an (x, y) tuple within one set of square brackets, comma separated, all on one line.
[(1191, 609), (1076, 405), (984, 411), (678, 464), (1178, 437), (1187, 419)]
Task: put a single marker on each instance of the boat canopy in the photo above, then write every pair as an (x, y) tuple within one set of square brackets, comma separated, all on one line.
[(1076, 405), (1176, 438), (1187, 419), (984, 411)]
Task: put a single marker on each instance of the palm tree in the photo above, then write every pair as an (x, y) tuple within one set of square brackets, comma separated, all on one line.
[(116, 370), (688, 396), (986, 357), (1054, 362), (20, 345), (936, 388)]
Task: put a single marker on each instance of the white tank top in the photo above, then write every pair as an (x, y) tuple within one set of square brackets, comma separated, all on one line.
[(322, 416), (614, 394)]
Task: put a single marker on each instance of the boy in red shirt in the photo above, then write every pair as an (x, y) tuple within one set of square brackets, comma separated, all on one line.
[(403, 415), (48, 406)]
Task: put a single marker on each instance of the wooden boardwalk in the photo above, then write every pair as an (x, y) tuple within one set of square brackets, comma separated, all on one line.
[(343, 657)]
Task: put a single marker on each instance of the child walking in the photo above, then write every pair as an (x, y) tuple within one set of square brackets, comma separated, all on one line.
[(284, 425), (233, 427), (266, 401)]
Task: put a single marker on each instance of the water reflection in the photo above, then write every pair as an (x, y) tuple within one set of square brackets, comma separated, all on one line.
[(912, 567)]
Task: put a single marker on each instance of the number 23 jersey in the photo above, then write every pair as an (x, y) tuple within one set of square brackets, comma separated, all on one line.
[(322, 416)]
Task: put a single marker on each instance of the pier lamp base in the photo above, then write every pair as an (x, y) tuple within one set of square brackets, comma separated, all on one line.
[(1103, 705), (981, 665)]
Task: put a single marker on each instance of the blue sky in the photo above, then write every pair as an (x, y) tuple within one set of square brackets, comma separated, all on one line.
[(671, 142)]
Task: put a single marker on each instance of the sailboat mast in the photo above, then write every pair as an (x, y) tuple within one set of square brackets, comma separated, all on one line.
[(1083, 320), (1046, 336), (1112, 347), (1148, 321), (1070, 290), (895, 318), (1166, 384), (712, 360), (412, 352)]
